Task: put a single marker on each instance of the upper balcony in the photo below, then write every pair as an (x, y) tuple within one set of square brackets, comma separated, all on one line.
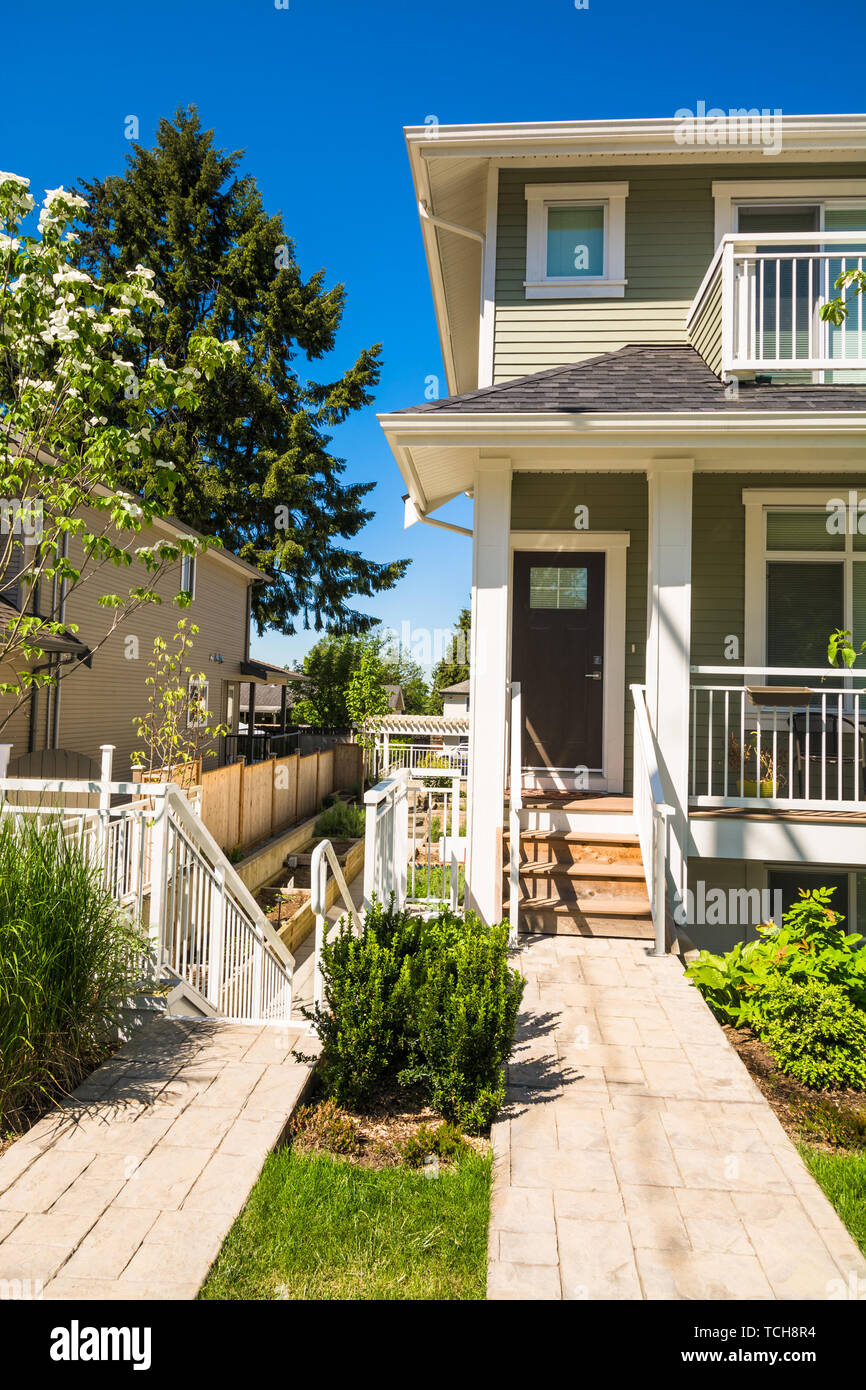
[(758, 306)]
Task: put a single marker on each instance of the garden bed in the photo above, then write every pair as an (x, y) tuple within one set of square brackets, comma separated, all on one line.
[(827, 1120)]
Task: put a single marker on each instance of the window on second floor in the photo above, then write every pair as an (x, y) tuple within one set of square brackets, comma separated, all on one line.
[(187, 574), (575, 240)]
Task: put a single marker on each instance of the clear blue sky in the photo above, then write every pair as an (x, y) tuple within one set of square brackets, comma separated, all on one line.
[(317, 95)]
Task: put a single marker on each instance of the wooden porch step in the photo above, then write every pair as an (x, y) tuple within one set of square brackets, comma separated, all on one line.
[(588, 803), (598, 906), (585, 868), (552, 916), (580, 837)]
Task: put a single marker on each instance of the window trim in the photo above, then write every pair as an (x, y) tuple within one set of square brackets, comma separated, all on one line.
[(757, 503), (542, 196), (759, 192)]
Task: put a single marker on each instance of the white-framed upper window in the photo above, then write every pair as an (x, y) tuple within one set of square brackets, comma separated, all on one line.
[(187, 574), (575, 240), (835, 196), (197, 713), (805, 574)]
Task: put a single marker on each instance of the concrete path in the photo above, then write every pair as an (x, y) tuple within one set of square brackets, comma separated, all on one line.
[(129, 1191), (636, 1158)]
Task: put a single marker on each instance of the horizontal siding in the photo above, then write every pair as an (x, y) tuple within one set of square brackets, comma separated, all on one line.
[(669, 244), (98, 704), (705, 333), (616, 502)]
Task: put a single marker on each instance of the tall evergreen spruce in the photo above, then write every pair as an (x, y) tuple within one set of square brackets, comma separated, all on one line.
[(253, 466)]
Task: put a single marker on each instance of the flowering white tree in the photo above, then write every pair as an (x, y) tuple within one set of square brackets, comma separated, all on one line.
[(64, 458)]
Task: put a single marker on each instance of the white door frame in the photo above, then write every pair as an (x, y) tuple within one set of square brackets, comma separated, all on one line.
[(613, 544)]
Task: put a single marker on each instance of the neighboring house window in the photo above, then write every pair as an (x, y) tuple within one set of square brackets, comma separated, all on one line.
[(197, 712), (575, 240), (813, 580), (187, 574)]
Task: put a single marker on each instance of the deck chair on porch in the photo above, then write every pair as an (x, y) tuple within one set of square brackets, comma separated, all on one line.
[(817, 738)]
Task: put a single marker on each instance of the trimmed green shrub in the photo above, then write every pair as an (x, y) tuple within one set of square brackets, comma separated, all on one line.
[(69, 961), (809, 945), (465, 1010), (341, 822), (419, 1001), (814, 1033)]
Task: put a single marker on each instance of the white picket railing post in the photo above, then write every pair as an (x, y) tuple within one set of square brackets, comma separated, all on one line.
[(103, 833), (159, 875), (216, 943), (515, 803), (5, 756), (401, 834)]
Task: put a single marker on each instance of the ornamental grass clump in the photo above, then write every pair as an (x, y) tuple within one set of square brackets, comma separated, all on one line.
[(430, 1002), (69, 962)]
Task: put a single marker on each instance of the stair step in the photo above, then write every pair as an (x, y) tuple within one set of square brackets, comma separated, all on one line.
[(579, 837), (589, 868), (568, 801), (590, 907), (547, 923)]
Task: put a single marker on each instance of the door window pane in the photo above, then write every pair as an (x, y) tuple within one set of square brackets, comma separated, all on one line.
[(804, 605), (555, 586), (575, 241), (801, 531)]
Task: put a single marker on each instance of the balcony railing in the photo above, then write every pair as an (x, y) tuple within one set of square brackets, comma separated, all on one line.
[(761, 737), (758, 307)]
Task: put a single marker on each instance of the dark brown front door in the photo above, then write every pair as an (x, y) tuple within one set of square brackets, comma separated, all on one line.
[(557, 654)]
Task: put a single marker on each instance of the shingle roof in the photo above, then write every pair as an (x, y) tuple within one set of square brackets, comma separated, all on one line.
[(640, 378)]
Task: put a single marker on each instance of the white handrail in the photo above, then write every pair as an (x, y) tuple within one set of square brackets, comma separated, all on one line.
[(840, 672), (324, 858), (652, 813), (515, 806)]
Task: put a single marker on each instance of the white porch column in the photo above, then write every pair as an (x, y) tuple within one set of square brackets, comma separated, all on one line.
[(489, 655), (668, 654)]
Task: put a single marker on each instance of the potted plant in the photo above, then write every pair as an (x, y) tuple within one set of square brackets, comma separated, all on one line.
[(755, 773)]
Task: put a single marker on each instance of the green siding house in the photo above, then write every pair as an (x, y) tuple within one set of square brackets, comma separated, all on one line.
[(664, 441)]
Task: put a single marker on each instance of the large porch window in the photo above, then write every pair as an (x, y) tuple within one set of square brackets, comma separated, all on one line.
[(815, 581)]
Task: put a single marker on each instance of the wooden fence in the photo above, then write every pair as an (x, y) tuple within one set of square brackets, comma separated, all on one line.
[(241, 805)]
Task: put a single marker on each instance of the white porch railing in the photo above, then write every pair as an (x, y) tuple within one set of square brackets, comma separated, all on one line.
[(515, 806), (418, 758), (763, 294), (386, 843), (166, 870), (791, 739), (651, 814), (323, 859)]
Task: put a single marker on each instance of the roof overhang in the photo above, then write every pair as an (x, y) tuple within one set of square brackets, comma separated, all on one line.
[(260, 673), (455, 169), (438, 453)]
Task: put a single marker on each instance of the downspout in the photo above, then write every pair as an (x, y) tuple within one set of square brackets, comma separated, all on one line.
[(412, 513), (446, 226)]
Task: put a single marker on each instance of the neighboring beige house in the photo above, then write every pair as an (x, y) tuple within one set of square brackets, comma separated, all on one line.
[(659, 434), (95, 702), (455, 699)]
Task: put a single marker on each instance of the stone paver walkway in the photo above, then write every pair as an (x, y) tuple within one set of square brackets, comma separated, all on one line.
[(129, 1191), (636, 1158)]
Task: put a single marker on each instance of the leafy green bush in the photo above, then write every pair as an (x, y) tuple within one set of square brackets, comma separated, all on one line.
[(466, 1013), (341, 822), (809, 945), (814, 1032), (445, 1141), (429, 1001), (69, 962)]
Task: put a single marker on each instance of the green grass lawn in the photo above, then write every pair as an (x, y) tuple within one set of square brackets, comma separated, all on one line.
[(843, 1179), (317, 1227)]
